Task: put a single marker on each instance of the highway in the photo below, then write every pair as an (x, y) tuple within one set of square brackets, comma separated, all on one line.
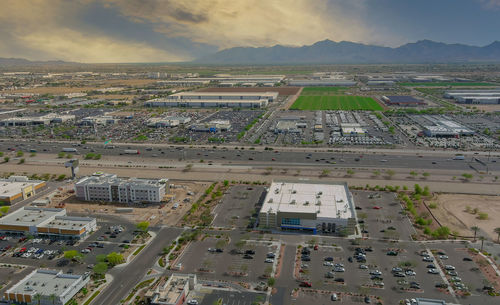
[(127, 277), (230, 156)]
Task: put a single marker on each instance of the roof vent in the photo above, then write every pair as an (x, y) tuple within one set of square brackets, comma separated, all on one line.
[(293, 201), (306, 203)]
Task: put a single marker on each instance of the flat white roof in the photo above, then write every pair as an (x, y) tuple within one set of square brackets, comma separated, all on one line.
[(324, 200), (12, 188), (31, 216), (264, 93), (46, 282)]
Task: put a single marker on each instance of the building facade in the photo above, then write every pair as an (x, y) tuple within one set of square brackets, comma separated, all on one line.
[(110, 188), (19, 188)]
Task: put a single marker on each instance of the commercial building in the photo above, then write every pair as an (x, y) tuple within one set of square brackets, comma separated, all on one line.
[(46, 287), (169, 121), (232, 96), (110, 188), (321, 82), (18, 188), (197, 103), (288, 126), (51, 118), (174, 291), (212, 126), (307, 206), (184, 82), (402, 100), (49, 222), (352, 130), (488, 96), (99, 120), (441, 126)]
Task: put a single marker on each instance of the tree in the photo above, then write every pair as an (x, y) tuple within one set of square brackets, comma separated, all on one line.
[(482, 239), (38, 298), (390, 173), (497, 230), (19, 153), (350, 172), (115, 258), (271, 281), (376, 173), (101, 268), (143, 226), (6, 159), (426, 175), (413, 174), (475, 229), (467, 176), (72, 254), (4, 210), (61, 155), (53, 298)]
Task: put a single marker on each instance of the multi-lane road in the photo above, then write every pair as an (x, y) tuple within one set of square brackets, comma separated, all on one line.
[(421, 160)]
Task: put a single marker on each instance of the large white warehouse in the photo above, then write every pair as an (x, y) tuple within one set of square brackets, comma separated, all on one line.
[(326, 208)]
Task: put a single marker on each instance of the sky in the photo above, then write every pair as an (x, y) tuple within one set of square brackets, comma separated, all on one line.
[(100, 31)]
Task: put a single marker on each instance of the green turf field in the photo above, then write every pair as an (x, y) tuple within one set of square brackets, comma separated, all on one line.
[(339, 102), (445, 84), (318, 91)]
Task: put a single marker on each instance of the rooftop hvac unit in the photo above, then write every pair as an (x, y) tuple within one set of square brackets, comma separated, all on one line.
[(293, 201), (270, 200), (320, 193), (277, 191), (318, 202), (306, 203), (294, 191)]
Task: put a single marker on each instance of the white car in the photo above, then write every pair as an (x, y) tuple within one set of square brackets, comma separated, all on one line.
[(192, 302), (410, 273), (443, 256), (328, 264), (363, 267), (269, 260), (432, 271), (449, 267), (375, 272)]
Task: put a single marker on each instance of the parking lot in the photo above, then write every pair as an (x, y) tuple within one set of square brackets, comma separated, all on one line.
[(392, 277), (245, 262), (239, 207), (381, 217), (49, 252)]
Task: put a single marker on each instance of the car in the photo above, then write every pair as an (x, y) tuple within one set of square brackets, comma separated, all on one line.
[(86, 250), (377, 207), (368, 300), (269, 260), (334, 297), (410, 273), (305, 284), (456, 279), (467, 259), (219, 250), (427, 259), (247, 256), (339, 265), (452, 273), (433, 271), (329, 275), (375, 272), (399, 274), (270, 255), (305, 258), (414, 285), (449, 267), (338, 269), (339, 280), (392, 253), (431, 266), (315, 247), (443, 256), (126, 241), (349, 259), (252, 252), (100, 245), (192, 302), (328, 259), (397, 269), (363, 267), (376, 277), (328, 264), (358, 208), (211, 250)]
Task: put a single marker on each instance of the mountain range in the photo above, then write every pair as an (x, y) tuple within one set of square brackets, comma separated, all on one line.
[(7, 62), (345, 52)]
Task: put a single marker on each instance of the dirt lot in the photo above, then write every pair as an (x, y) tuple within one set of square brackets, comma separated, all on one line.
[(155, 214), (451, 211), (280, 90), (488, 108)]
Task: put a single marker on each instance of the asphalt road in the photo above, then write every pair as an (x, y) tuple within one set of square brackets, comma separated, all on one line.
[(421, 160), (127, 277)]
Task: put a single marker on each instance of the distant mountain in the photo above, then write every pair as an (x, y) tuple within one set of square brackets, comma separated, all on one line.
[(9, 62), (344, 52)]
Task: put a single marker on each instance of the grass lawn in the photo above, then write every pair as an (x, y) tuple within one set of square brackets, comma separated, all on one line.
[(338, 102), (445, 84), (317, 91)]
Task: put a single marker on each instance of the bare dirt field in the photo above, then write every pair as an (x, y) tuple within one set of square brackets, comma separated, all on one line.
[(488, 108), (280, 90), (452, 212), (154, 214)]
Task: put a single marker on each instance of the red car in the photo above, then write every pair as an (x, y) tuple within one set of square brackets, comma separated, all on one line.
[(315, 247), (22, 250), (377, 207), (305, 284)]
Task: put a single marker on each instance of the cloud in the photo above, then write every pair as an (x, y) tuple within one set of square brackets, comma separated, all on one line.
[(36, 30), (230, 23), (490, 4)]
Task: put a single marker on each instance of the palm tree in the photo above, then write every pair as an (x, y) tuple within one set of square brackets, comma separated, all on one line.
[(475, 229), (497, 230), (37, 297), (53, 298), (482, 238)]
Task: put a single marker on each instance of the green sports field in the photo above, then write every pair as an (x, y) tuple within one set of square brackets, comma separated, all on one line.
[(319, 91), (335, 102)]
